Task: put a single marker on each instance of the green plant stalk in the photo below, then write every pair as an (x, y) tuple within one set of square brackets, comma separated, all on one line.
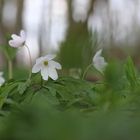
[(41, 81), (86, 70), (10, 69), (30, 60)]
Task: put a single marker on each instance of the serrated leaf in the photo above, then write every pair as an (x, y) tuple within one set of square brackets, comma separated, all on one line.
[(23, 86), (43, 96), (5, 92)]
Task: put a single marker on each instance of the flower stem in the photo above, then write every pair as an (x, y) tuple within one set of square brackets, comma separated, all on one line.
[(30, 60), (86, 70), (41, 81), (10, 69)]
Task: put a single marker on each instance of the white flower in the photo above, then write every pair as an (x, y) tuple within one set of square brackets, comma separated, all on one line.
[(99, 61), (18, 41), (47, 67), (2, 80)]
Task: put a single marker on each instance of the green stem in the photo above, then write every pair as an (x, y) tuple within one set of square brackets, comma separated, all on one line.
[(85, 72), (30, 60), (41, 81), (10, 69)]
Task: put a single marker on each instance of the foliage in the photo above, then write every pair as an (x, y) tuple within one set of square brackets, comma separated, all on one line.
[(71, 108), (77, 50)]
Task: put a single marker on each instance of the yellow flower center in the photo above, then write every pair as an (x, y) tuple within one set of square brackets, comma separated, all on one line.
[(46, 63)]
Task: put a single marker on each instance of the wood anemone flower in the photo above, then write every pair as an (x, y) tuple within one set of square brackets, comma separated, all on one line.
[(47, 67), (18, 40), (99, 61)]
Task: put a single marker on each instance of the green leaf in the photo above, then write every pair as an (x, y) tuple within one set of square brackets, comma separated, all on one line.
[(23, 86), (130, 72), (5, 92), (114, 76), (71, 91)]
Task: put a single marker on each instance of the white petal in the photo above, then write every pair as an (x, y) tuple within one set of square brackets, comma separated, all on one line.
[(2, 80), (23, 35), (13, 43), (36, 68), (20, 41), (55, 64), (40, 60), (49, 57), (100, 65), (44, 73), (15, 37), (98, 54), (99, 61), (17, 41), (52, 73)]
